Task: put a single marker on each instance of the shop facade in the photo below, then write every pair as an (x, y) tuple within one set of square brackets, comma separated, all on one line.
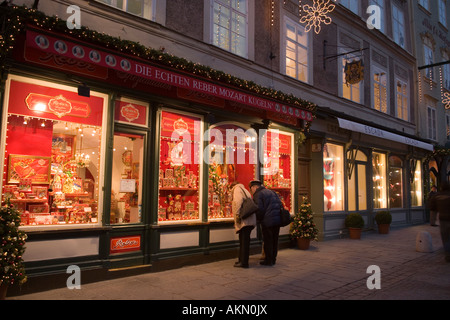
[(114, 161), (365, 168)]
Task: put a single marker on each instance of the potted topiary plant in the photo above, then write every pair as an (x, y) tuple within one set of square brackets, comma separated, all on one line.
[(354, 222), (303, 229), (12, 241), (383, 219)]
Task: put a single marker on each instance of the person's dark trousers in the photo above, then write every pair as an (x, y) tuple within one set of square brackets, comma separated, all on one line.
[(270, 240), (244, 244)]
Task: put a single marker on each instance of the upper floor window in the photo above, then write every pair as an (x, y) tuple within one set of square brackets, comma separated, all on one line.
[(380, 4), (398, 26), (425, 4), (446, 71), (380, 89), (447, 121), (296, 51), (443, 12), (350, 4), (431, 121), (141, 8), (428, 57), (230, 25), (402, 100)]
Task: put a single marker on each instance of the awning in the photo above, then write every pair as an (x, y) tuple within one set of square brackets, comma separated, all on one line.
[(358, 127)]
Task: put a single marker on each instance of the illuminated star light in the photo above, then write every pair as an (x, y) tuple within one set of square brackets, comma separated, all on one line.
[(317, 14), (446, 101)]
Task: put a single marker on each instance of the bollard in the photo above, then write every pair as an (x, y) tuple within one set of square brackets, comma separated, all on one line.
[(424, 242)]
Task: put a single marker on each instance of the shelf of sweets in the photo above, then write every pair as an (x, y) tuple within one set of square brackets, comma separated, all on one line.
[(28, 200), (177, 189)]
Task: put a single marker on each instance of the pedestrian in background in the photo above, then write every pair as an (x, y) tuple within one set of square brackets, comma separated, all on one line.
[(268, 215), (433, 213), (243, 227), (440, 202)]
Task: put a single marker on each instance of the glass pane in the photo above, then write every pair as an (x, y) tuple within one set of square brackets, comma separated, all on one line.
[(126, 182), (232, 160), (379, 180), (395, 182), (333, 169), (135, 7), (179, 167), (53, 170), (352, 193), (416, 186), (362, 187), (277, 168)]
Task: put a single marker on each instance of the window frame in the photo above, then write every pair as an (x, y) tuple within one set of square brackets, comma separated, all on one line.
[(431, 122), (296, 25), (405, 106), (374, 69), (213, 27), (383, 13), (442, 4), (397, 24), (151, 15)]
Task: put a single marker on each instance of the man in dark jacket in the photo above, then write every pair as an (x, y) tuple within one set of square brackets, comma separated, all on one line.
[(441, 203), (268, 215)]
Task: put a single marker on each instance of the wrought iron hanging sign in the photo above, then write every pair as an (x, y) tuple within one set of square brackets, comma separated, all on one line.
[(354, 72)]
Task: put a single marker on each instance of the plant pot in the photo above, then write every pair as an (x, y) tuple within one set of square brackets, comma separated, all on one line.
[(303, 243), (383, 228), (3, 289), (354, 233)]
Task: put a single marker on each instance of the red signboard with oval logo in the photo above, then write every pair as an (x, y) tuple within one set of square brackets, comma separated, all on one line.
[(125, 244)]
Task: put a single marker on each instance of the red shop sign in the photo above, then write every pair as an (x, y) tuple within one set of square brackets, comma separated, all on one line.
[(125, 244), (29, 99), (131, 113)]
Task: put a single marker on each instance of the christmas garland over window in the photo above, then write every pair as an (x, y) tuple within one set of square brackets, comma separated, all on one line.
[(14, 19)]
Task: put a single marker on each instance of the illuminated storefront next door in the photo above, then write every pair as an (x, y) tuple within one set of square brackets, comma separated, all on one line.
[(357, 180)]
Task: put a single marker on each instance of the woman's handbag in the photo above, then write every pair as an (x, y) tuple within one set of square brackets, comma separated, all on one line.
[(248, 207), (285, 216)]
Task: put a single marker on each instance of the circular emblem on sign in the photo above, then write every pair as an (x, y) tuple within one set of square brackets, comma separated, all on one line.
[(129, 112), (180, 126), (60, 47), (78, 52), (284, 109), (110, 60), (291, 111), (277, 107), (125, 65), (303, 114), (95, 56), (41, 41), (297, 113)]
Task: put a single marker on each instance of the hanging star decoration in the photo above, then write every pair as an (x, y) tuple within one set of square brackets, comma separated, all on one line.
[(446, 100), (317, 14)]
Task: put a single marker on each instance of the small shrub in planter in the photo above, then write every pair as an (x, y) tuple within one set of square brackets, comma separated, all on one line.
[(383, 217), (354, 220), (383, 220)]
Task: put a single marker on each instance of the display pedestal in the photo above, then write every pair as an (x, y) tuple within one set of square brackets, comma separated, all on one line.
[(303, 243), (3, 290)]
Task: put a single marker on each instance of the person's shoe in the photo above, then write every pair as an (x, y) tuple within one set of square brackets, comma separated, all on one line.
[(265, 263), (240, 265)]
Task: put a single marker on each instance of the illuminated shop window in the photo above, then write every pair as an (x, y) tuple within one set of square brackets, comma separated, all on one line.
[(395, 182), (53, 163), (379, 180), (278, 165), (416, 186), (232, 159), (333, 175), (179, 167), (126, 182)]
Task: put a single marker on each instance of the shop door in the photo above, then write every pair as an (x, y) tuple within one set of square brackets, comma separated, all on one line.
[(357, 183)]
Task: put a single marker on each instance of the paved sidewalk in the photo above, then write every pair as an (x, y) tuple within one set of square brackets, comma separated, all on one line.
[(331, 270)]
